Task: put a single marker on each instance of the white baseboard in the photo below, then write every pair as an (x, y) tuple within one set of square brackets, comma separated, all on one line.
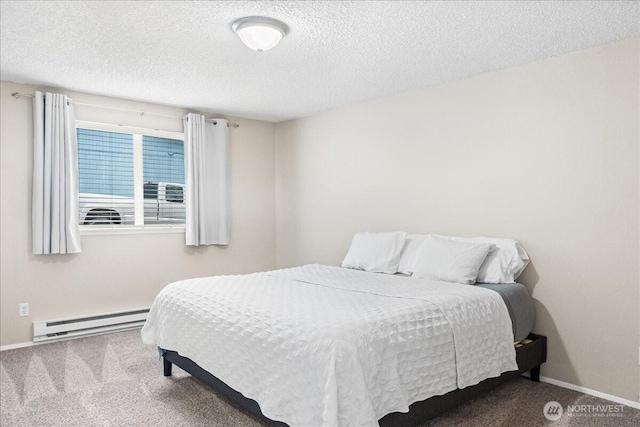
[(591, 392), (62, 338), (19, 345)]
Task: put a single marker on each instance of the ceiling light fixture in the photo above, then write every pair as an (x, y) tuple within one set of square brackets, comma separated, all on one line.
[(259, 33)]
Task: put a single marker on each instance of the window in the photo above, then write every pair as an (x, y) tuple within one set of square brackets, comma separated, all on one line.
[(174, 194), (130, 178), (151, 190)]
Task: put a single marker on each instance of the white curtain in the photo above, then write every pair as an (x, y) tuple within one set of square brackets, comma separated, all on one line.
[(54, 213), (206, 144)]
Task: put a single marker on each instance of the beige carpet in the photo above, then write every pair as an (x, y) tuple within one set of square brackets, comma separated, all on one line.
[(115, 380)]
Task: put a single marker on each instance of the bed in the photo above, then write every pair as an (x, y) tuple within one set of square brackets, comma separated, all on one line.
[(321, 345)]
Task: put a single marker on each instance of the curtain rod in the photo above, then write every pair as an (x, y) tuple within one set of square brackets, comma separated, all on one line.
[(18, 95)]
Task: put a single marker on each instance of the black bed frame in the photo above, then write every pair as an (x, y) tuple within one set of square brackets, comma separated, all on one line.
[(529, 358)]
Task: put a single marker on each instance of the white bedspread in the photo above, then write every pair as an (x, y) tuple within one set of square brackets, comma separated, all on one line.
[(319, 345)]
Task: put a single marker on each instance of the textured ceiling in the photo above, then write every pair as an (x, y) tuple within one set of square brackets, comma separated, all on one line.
[(184, 53)]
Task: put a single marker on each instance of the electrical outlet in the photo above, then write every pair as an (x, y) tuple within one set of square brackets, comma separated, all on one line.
[(24, 309)]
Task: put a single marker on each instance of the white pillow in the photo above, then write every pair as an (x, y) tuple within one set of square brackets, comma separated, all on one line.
[(409, 252), (504, 264), (375, 252), (450, 261)]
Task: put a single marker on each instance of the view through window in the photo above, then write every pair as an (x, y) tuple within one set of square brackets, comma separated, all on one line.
[(130, 179)]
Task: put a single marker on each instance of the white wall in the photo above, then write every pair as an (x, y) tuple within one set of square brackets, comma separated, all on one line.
[(125, 271), (545, 153)]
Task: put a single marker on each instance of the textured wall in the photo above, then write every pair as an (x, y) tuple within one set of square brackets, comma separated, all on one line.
[(119, 272), (545, 153)]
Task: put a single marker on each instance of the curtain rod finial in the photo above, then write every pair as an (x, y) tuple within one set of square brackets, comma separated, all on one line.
[(16, 95)]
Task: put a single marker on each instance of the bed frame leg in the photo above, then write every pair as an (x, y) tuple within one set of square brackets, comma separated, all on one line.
[(535, 374), (168, 365)]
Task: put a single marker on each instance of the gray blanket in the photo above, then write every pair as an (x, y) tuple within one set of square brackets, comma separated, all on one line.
[(519, 304)]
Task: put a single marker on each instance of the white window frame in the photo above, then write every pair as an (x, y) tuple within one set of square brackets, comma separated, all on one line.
[(138, 196)]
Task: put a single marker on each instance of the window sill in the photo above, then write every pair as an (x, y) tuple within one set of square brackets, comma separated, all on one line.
[(104, 231)]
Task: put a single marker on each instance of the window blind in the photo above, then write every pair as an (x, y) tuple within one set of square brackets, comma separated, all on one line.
[(105, 169), (163, 175)]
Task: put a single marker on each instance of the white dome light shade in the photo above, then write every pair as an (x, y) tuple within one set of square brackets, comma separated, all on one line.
[(259, 33)]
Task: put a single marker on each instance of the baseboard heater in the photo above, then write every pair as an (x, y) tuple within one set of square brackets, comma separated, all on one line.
[(51, 330)]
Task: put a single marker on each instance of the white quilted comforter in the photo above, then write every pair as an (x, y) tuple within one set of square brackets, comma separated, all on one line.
[(319, 345)]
